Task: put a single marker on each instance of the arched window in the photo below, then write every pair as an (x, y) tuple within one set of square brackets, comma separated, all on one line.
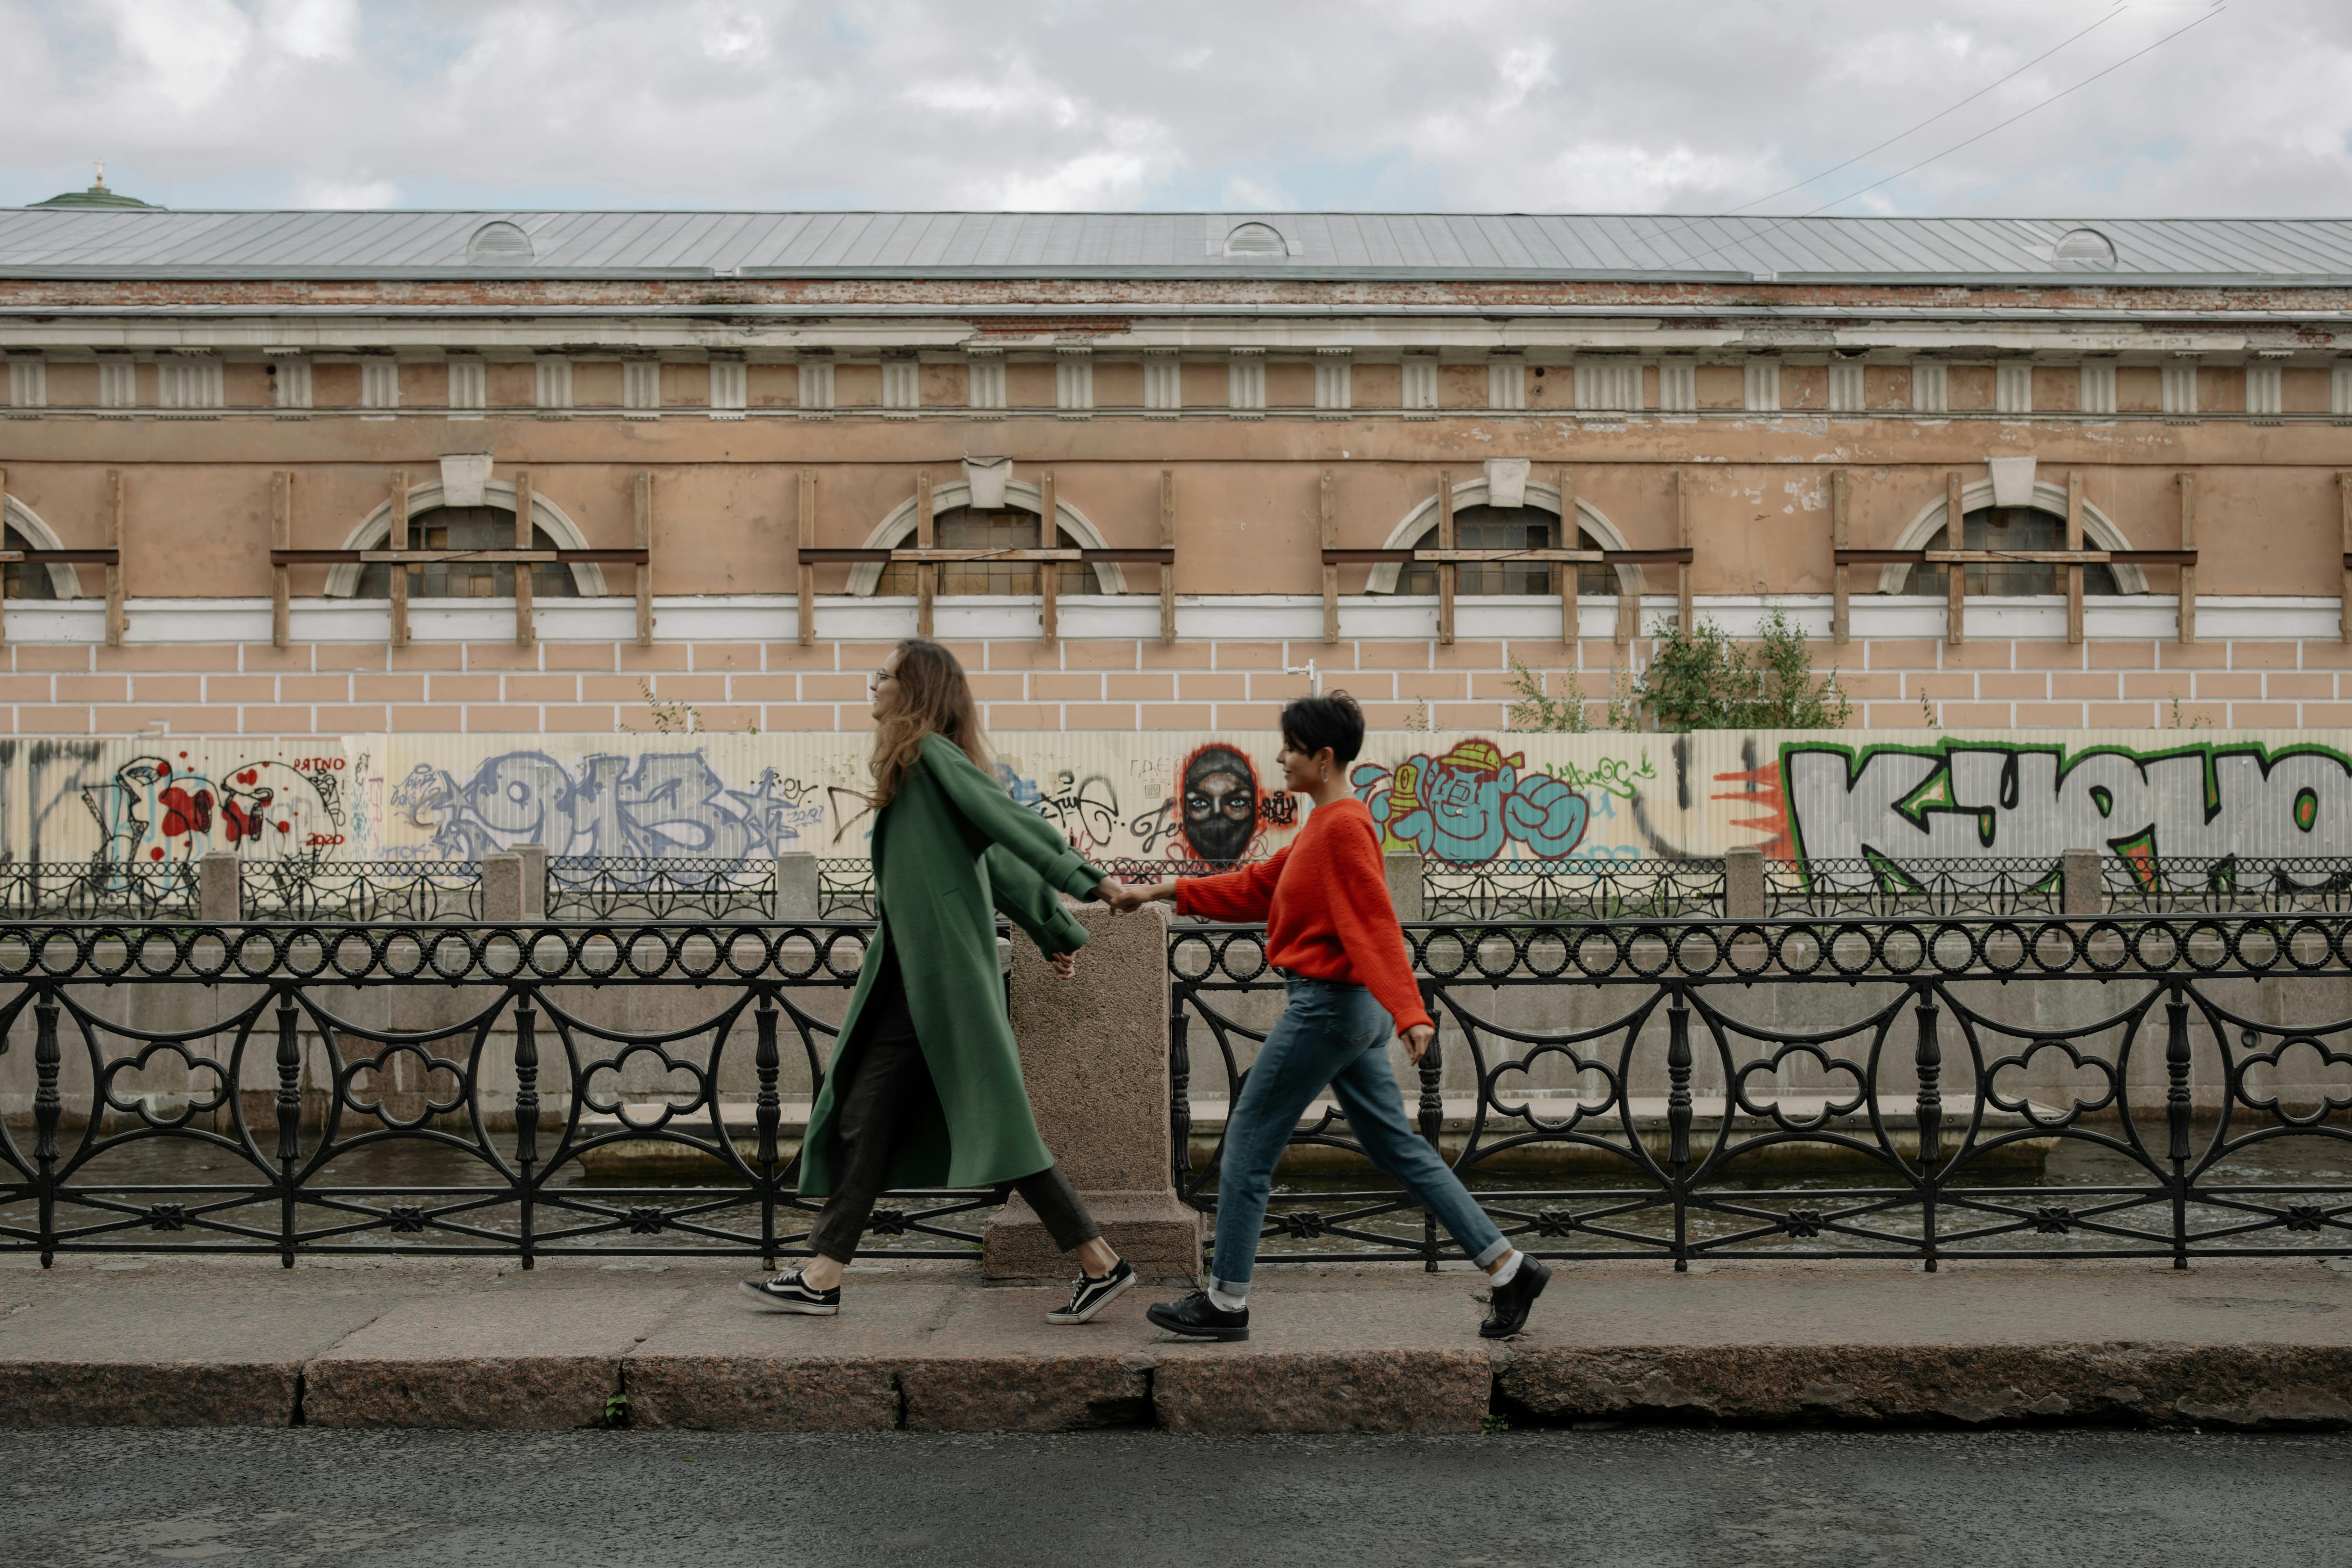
[(469, 528), (2010, 528), (1506, 528), (964, 527), (23, 580)]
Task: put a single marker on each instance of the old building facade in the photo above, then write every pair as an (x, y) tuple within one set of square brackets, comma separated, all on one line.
[(734, 435)]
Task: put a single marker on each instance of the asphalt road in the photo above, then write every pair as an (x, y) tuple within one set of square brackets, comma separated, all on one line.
[(1826, 1499)]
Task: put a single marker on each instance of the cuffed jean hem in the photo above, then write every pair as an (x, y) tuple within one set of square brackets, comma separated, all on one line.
[(1238, 1289), (1335, 1034), (1500, 1249)]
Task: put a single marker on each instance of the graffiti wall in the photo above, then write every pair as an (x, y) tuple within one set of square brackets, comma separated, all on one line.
[(1463, 798)]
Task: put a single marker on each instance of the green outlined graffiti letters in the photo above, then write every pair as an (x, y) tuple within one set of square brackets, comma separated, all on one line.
[(2024, 801)]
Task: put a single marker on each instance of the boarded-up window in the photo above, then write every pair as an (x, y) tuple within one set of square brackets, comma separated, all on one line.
[(1505, 528), (2010, 528), (962, 528), (462, 528)]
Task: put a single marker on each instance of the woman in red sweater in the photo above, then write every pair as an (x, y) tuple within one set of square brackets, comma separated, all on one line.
[(1332, 933)]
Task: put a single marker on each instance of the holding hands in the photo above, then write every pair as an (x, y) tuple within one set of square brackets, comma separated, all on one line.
[(1124, 899)]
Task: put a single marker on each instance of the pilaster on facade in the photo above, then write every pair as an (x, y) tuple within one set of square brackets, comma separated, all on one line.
[(1846, 389), (29, 383), (118, 384), (902, 387), (641, 389), (1931, 388), (379, 388), (984, 390), (188, 386), (1607, 385), (289, 384), (1418, 394), (2013, 389), (815, 389), (553, 394), (1164, 384), (470, 387), (2179, 391), (2266, 399), (2339, 390), (2098, 386), (1760, 384), (1678, 386), (729, 388), (1073, 383), (1246, 384), (1334, 383), (1506, 383)]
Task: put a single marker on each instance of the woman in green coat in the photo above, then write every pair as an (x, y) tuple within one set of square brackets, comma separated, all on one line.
[(924, 1088)]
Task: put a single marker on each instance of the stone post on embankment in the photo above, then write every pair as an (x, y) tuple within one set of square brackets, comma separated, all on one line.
[(1406, 895), (1094, 1057)]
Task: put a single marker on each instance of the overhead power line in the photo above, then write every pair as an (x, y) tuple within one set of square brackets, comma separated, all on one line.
[(1957, 146), (1940, 114)]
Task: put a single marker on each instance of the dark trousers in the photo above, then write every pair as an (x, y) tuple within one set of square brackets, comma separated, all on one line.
[(888, 1080)]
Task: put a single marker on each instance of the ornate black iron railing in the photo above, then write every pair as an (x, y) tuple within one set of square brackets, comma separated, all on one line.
[(357, 891), (1883, 888), (467, 1089), (2276, 884), (1579, 888), (660, 888), (98, 890), (2140, 1087)]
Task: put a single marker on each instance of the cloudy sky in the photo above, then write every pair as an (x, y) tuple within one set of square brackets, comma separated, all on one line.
[(1459, 105)]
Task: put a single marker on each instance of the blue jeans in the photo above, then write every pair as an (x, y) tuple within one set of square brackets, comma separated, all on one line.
[(1335, 1034)]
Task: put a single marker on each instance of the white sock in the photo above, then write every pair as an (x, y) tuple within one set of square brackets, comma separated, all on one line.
[(1224, 1303), (1511, 1267)]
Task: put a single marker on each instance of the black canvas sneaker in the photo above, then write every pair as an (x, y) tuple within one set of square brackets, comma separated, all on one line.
[(1198, 1318), (788, 1292), (1506, 1305), (1092, 1295)]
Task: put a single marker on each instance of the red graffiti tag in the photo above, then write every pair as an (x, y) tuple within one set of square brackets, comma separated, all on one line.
[(184, 814)]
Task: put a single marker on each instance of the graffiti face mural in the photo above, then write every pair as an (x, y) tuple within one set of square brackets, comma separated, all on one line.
[(1469, 804), (1219, 803)]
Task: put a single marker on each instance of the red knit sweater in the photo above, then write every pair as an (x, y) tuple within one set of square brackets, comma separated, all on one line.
[(1325, 901)]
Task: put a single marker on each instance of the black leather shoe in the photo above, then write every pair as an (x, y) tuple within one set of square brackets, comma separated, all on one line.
[(1506, 1305), (1198, 1318)]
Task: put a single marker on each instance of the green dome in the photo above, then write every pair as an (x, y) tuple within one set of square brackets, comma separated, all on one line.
[(98, 195)]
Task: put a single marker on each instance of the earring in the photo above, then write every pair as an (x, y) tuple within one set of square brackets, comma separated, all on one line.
[(1327, 775)]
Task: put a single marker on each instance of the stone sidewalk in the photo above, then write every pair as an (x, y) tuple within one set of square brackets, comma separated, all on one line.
[(927, 1346)]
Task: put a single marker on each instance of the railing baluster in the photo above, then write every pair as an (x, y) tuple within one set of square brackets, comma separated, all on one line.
[(47, 1109), (1928, 1058), (2177, 1108), (527, 1122), (765, 1062), (1678, 1115), (289, 1120), (1432, 1117)]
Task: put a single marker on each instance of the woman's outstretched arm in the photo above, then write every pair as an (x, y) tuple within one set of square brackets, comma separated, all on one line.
[(1018, 831), (1242, 896), (1024, 898)]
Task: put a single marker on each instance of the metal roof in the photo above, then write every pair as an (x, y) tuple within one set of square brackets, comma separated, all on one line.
[(96, 243)]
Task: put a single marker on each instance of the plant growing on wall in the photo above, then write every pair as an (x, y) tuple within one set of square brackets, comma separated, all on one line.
[(1702, 679), (1534, 708)]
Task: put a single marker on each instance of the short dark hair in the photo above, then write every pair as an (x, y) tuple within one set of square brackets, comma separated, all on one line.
[(1311, 723)]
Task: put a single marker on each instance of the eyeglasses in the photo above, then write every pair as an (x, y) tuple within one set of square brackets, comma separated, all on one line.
[(875, 679)]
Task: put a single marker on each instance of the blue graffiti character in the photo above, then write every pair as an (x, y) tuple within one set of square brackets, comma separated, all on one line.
[(1466, 806)]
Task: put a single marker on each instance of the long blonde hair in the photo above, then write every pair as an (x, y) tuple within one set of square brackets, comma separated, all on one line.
[(934, 699)]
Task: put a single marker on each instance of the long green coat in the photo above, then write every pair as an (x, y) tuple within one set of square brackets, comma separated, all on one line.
[(947, 847)]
